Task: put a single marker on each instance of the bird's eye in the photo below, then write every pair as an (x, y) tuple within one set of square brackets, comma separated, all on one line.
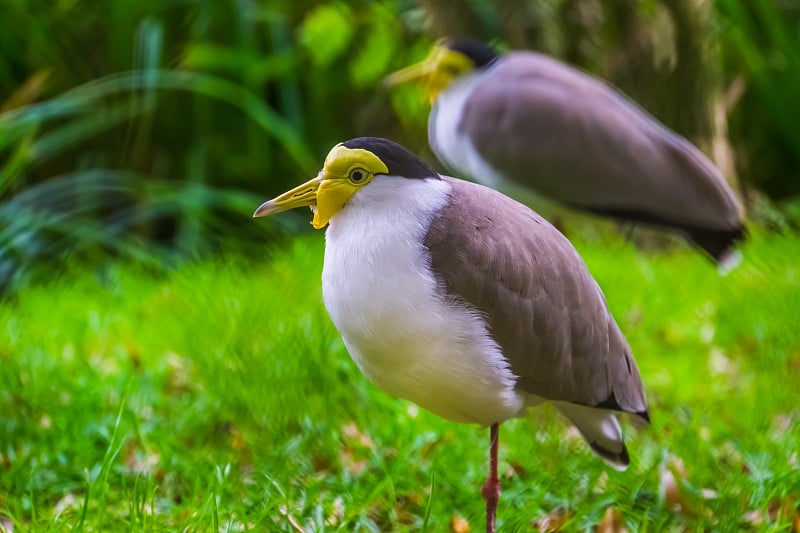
[(358, 175)]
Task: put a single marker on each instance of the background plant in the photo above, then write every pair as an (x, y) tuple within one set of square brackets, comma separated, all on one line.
[(151, 129)]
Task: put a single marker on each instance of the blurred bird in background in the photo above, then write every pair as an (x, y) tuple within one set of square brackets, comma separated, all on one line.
[(528, 121)]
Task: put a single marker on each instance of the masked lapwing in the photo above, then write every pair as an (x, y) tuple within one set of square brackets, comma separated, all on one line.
[(526, 120), (456, 297)]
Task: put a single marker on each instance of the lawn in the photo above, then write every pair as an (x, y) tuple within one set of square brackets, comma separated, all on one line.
[(220, 397)]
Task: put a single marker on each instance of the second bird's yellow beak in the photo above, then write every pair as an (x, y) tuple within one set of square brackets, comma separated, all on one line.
[(424, 72), (418, 71)]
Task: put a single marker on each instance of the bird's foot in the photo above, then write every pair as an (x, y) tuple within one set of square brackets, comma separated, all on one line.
[(491, 493)]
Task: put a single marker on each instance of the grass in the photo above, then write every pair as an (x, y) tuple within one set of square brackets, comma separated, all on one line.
[(220, 397)]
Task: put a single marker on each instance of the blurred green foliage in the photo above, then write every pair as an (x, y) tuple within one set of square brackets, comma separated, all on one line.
[(144, 128), (152, 129), (762, 42)]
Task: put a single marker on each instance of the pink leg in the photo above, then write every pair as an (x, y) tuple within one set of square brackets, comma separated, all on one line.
[(491, 489)]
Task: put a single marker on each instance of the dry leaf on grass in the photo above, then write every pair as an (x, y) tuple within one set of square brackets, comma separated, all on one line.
[(754, 519), (354, 435), (135, 357), (6, 524), (137, 463), (553, 521), (428, 447), (291, 519), (601, 485), (782, 424), (673, 491), (67, 502), (777, 511), (674, 498), (357, 447), (517, 469), (180, 377), (355, 466), (405, 505), (459, 525), (320, 463), (778, 508), (573, 433), (337, 513), (719, 364), (611, 523)]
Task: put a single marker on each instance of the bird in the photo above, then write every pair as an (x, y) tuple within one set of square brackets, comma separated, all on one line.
[(464, 301), (527, 121)]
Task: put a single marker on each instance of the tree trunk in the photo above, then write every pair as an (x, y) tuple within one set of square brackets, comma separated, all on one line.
[(454, 18), (670, 65)]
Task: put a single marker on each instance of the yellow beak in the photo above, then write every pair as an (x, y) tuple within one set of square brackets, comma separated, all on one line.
[(424, 72), (436, 72), (304, 195), (419, 71), (325, 196)]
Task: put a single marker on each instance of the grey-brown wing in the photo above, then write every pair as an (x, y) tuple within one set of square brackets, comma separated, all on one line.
[(573, 138), (543, 307)]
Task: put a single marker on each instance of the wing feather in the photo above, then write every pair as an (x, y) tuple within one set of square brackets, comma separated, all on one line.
[(545, 112), (542, 306)]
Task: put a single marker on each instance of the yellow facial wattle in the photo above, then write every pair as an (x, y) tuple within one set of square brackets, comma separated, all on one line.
[(436, 72), (345, 171), (332, 196)]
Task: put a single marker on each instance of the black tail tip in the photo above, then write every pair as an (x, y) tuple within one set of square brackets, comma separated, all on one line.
[(718, 243), (618, 459)]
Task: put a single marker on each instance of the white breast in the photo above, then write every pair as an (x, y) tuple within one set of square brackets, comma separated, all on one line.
[(399, 329), (450, 145)]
